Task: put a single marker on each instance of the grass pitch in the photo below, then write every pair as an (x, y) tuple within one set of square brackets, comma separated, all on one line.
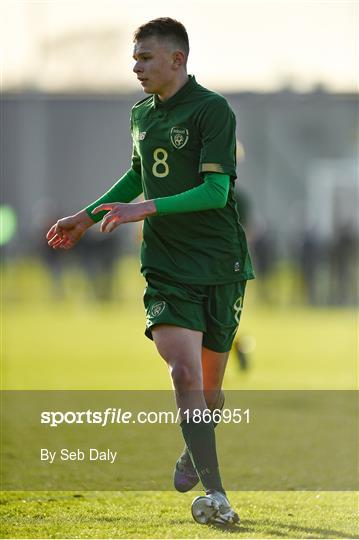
[(76, 344), (167, 515)]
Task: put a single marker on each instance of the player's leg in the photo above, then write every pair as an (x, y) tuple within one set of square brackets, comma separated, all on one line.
[(214, 364), (170, 305), (223, 308), (213, 369), (181, 348)]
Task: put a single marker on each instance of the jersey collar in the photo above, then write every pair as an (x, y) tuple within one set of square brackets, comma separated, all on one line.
[(186, 89)]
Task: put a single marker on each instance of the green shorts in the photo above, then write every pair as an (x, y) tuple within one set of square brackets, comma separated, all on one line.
[(214, 310)]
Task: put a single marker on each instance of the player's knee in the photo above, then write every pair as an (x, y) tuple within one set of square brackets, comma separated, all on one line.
[(183, 377)]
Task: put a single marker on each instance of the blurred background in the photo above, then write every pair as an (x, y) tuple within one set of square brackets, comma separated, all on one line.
[(290, 71)]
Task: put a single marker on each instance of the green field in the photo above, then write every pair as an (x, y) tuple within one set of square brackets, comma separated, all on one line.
[(166, 515), (78, 344)]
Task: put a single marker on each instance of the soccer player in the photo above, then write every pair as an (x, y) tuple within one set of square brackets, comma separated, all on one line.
[(194, 253)]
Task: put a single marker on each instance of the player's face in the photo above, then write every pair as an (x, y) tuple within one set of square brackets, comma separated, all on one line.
[(155, 65)]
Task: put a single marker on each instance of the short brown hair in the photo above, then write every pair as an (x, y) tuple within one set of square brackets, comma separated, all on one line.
[(164, 27)]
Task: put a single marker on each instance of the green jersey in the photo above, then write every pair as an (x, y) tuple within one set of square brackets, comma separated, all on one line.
[(174, 143)]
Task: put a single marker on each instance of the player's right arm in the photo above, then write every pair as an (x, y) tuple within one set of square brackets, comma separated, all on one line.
[(66, 232)]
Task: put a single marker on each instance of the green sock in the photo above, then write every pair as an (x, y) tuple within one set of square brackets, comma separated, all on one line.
[(218, 405), (201, 443)]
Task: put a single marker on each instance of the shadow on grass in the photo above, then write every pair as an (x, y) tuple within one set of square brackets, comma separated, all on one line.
[(281, 530)]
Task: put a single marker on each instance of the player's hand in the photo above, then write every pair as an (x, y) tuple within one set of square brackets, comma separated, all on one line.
[(66, 232), (119, 213)]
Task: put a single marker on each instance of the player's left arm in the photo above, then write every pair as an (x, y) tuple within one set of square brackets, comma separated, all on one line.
[(211, 194)]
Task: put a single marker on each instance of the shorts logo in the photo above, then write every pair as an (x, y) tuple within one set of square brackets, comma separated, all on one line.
[(179, 137), (157, 308), (237, 306)]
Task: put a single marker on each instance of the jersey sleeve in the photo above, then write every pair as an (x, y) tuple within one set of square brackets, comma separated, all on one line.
[(127, 188), (218, 136), (213, 193)]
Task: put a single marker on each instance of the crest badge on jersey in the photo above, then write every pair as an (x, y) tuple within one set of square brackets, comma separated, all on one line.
[(157, 308), (179, 137)]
